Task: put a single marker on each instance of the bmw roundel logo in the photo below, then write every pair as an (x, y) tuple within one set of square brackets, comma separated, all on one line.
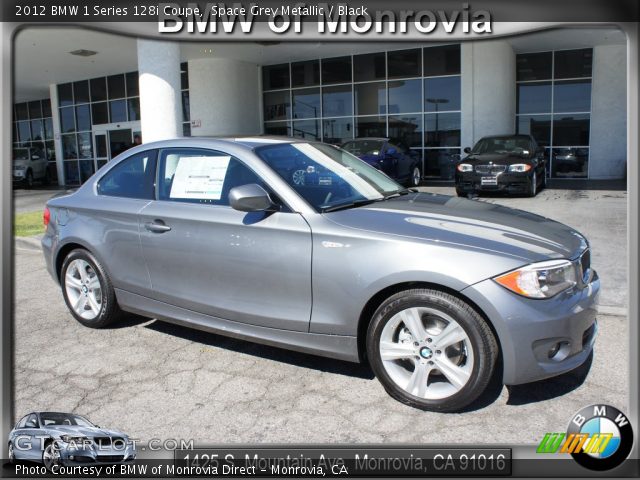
[(608, 437)]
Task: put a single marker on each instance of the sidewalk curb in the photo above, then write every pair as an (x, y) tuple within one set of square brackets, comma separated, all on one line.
[(28, 243)]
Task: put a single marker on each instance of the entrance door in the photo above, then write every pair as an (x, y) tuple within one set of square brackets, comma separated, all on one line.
[(110, 140)]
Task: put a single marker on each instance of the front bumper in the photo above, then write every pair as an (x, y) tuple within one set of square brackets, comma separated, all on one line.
[(88, 455), (529, 329), (509, 182)]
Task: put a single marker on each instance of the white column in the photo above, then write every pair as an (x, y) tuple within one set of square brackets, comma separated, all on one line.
[(57, 139), (488, 90), (160, 96), (224, 97), (608, 152)]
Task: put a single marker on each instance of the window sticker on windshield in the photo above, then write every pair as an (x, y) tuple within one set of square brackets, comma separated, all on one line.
[(199, 177)]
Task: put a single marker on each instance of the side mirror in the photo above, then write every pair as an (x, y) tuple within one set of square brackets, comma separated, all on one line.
[(467, 150), (392, 151), (250, 198)]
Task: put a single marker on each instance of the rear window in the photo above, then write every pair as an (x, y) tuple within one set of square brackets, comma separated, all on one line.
[(133, 177)]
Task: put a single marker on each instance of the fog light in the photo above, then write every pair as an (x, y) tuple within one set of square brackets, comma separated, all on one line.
[(558, 351)]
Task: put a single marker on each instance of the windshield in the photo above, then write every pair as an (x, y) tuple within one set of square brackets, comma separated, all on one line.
[(325, 176), (54, 418), (20, 154), (364, 147), (501, 145)]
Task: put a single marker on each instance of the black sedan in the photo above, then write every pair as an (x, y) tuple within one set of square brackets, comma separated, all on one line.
[(393, 158), (504, 163)]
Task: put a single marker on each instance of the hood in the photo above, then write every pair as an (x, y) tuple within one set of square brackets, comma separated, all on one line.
[(83, 431), (22, 162), (498, 159), (462, 222)]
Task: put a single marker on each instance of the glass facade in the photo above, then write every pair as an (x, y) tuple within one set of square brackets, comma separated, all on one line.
[(86, 103), (554, 105), (33, 127), (411, 95)]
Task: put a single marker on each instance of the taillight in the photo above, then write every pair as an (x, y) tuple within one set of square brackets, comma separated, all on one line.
[(46, 216)]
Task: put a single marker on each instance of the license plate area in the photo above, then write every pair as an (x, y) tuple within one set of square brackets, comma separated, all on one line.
[(493, 180)]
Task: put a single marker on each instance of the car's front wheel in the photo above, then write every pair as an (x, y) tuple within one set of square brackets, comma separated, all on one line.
[(50, 456), (88, 291), (431, 350)]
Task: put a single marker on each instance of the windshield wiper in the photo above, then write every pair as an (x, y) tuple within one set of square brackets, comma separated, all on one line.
[(344, 206), (399, 193)]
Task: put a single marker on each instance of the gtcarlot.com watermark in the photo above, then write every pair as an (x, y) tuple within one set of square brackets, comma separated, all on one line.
[(30, 442)]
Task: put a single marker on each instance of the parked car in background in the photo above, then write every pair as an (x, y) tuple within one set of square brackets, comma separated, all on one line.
[(56, 438), (570, 161), (429, 289), (391, 157), (29, 166), (502, 163)]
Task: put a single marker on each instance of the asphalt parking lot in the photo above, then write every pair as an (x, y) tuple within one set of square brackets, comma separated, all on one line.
[(155, 380)]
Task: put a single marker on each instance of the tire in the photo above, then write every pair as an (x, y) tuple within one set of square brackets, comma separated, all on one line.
[(543, 184), (12, 455), (532, 190), (46, 180), (88, 291), (50, 456), (416, 177), (468, 351), (28, 180)]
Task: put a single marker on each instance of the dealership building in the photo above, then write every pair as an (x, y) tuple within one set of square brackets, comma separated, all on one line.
[(81, 96)]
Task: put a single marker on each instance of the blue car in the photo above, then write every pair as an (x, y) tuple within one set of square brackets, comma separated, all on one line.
[(393, 158)]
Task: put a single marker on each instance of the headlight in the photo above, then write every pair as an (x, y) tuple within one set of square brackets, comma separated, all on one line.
[(78, 441), (540, 280), (519, 167), (464, 167)]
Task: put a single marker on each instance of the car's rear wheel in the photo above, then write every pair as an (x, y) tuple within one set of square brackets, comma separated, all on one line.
[(50, 456), (88, 291), (12, 453), (431, 350)]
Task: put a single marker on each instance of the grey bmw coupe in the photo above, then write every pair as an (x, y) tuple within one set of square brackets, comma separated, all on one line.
[(430, 290)]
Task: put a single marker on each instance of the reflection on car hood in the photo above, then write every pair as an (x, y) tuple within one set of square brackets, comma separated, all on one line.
[(499, 159), (83, 431), (462, 222)]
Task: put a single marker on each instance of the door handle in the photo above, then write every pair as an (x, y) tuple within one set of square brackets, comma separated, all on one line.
[(157, 227)]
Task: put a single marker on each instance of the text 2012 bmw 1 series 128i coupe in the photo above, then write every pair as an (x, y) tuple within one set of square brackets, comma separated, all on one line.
[(430, 290)]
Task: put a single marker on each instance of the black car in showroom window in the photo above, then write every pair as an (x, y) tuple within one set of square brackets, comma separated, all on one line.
[(502, 163)]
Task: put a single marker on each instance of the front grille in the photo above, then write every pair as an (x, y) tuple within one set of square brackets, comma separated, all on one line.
[(490, 169), (110, 458), (585, 265), (108, 441)]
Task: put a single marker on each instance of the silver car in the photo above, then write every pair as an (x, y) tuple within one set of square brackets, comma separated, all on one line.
[(432, 291), (56, 438)]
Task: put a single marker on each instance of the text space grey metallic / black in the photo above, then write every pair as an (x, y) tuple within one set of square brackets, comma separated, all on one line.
[(303, 246)]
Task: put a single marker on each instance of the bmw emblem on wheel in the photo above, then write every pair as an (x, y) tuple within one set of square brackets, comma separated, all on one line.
[(608, 434)]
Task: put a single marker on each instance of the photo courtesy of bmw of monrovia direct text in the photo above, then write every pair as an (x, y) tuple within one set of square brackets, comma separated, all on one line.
[(319, 239)]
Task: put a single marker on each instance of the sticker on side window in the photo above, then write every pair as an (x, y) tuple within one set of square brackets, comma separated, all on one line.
[(199, 177)]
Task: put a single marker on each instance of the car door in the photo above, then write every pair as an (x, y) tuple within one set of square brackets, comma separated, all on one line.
[(121, 193), (204, 256), (37, 163), (390, 154)]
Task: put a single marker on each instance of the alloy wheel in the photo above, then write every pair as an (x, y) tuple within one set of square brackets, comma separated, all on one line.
[(83, 289), (416, 177), (298, 177), (51, 456), (426, 353)]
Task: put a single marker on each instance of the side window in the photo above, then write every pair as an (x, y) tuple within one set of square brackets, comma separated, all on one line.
[(201, 176), (32, 421), (134, 177), (22, 422)]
